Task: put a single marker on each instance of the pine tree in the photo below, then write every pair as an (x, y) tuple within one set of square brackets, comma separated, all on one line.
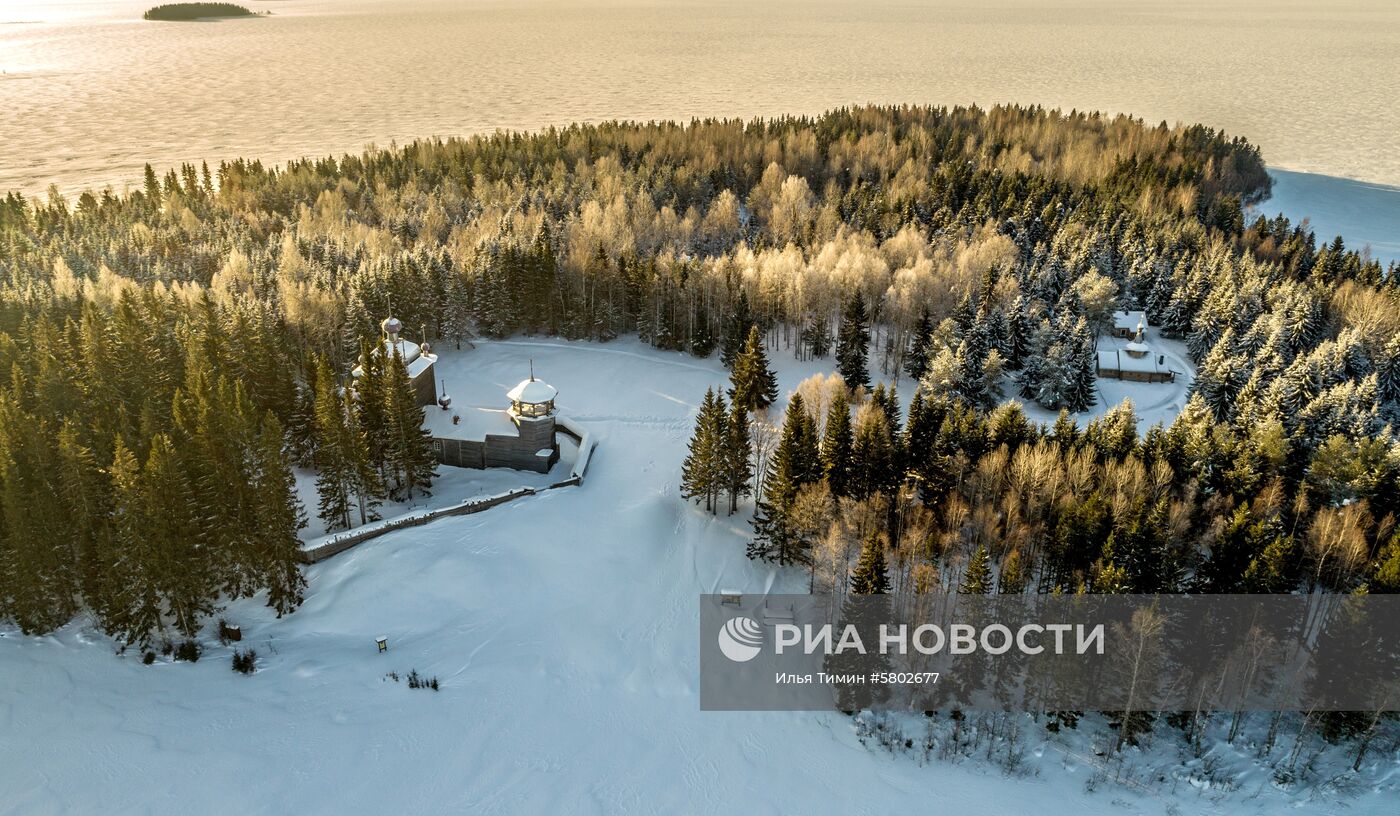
[(853, 344), (870, 576), (754, 385), (837, 440)]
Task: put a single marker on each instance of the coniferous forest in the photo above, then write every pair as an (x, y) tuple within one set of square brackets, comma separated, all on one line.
[(175, 350)]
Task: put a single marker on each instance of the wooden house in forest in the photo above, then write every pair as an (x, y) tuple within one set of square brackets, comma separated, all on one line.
[(520, 437), (419, 360), (1135, 360)]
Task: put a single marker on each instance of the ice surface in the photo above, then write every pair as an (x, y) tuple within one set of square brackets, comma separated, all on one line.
[(1363, 213)]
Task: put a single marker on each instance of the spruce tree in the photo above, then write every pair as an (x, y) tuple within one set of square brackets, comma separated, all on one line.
[(920, 341), (873, 462), (301, 426), (409, 455), (129, 607), (1388, 371), (836, 445), (853, 344), (373, 402), (40, 585), (736, 330), (184, 566), (703, 471), (738, 454), (920, 431), (754, 385), (816, 336), (977, 580), (1083, 369), (279, 519), (336, 473), (870, 576), (85, 491), (795, 462), (1218, 379), (366, 482), (1014, 574)]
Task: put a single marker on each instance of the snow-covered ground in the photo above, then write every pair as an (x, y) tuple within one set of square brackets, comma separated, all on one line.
[(1362, 212), (562, 628), (1153, 402), (452, 486)]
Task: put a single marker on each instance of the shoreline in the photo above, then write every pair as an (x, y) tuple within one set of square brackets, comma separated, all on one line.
[(1364, 213)]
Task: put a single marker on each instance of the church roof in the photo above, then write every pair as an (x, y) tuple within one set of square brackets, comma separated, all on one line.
[(1129, 320), (532, 391), (408, 350), (1115, 360)]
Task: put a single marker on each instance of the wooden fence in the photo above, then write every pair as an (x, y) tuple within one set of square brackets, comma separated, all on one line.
[(340, 542)]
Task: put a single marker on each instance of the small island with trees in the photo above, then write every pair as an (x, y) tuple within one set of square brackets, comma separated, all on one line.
[(196, 11)]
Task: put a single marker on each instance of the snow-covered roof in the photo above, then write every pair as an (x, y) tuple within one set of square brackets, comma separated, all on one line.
[(1135, 346), (532, 391), (1117, 360), (420, 364), (407, 349), (472, 424), (1129, 320)]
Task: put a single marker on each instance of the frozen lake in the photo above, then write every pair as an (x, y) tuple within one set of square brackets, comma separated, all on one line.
[(1363, 213), (90, 92)]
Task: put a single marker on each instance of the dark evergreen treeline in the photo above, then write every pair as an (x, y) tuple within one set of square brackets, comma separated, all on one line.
[(195, 11), (143, 462), (185, 316)]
